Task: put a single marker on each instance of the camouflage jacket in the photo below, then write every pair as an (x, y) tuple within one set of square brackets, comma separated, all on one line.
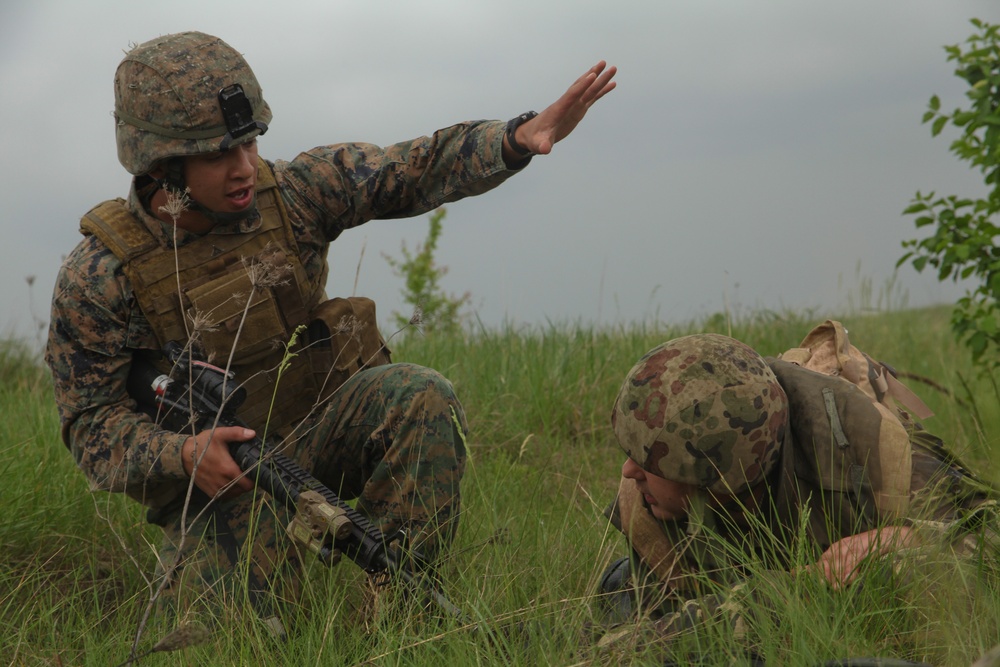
[(96, 324)]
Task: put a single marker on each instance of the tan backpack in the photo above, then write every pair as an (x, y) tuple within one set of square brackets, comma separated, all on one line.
[(888, 450), (826, 349), (939, 486)]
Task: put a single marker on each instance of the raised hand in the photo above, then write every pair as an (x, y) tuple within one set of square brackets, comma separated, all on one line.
[(561, 117)]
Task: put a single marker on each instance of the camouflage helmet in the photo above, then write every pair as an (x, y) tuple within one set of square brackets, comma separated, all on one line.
[(184, 94), (703, 410)]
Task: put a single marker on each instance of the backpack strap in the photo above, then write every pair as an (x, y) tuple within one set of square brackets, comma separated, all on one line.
[(884, 383)]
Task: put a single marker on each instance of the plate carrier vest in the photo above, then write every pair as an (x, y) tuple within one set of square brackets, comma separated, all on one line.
[(246, 292)]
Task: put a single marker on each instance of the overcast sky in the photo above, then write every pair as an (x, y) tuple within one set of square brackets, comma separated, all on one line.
[(756, 154)]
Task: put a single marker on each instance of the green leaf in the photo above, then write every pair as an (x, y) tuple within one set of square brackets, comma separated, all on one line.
[(978, 344), (994, 285), (988, 325), (938, 126), (962, 118)]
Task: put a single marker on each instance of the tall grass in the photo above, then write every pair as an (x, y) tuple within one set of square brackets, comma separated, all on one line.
[(532, 543)]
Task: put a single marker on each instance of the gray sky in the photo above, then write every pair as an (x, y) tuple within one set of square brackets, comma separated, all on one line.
[(756, 154)]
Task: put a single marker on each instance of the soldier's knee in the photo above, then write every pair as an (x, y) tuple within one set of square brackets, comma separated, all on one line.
[(430, 380), (434, 390)]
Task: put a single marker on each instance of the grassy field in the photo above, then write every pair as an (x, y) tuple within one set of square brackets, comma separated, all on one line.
[(532, 544)]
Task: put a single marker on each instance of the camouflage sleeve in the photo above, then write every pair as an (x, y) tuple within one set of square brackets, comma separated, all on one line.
[(345, 185), (92, 333)]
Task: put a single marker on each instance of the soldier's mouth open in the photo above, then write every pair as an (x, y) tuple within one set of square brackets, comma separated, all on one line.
[(241, 198)]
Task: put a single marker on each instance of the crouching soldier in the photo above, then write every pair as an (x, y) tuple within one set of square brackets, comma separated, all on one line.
[(733, 459), (226, 253)]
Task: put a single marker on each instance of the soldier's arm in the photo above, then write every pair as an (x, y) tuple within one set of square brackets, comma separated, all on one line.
[(89, 355), (346, 185)]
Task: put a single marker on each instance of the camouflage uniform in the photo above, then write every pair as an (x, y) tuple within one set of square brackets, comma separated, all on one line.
[(708, 411), (392, 436)]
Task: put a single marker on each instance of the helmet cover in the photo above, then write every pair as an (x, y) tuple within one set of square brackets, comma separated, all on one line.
[(704, 410), (167, 100)]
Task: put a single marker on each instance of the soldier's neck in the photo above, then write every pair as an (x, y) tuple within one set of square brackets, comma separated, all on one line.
[(170, 209)]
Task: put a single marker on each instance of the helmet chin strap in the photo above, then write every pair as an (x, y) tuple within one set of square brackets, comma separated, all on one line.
[(173, 183)]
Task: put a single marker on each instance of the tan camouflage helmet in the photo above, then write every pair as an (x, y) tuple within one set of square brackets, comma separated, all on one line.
[(704, 410), (184, 94)]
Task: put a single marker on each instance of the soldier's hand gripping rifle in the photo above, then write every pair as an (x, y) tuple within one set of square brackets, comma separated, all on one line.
[(323, 523)]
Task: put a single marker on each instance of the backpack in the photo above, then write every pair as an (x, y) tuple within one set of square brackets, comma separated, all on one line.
[(903, 458), (827, 350)]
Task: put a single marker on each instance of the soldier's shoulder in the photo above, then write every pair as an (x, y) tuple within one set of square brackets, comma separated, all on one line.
[(91, 256), (91, 271)]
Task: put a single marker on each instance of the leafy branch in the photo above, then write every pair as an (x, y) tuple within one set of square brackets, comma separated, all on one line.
[(432, 307), (962, 244)]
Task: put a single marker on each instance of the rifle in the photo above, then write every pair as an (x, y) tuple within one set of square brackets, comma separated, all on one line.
[(322, 522)]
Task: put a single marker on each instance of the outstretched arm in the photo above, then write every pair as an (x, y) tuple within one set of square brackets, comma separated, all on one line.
[(554, 124)]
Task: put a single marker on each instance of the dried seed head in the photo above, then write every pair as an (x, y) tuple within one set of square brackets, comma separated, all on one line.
[(268, 268), (177, 203)]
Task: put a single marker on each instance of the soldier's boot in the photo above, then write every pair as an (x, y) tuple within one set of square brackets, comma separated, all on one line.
[(617, 599)]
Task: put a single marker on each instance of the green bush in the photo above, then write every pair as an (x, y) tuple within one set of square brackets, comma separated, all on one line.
[(431, 308), (963, 244)]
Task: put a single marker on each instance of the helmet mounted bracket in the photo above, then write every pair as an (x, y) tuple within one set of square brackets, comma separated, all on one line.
[(238, 114)]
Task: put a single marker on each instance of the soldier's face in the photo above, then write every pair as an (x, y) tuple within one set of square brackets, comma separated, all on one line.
[(223, 181), (667, 500)]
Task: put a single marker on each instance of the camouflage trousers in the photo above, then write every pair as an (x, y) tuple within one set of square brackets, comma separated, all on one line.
[(391, 437)]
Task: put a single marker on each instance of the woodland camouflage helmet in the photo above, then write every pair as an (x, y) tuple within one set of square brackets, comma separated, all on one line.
[(704, 410), (184, 94)]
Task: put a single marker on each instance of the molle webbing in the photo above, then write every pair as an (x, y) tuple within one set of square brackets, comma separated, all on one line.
[(213, 293), (112, 222)]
